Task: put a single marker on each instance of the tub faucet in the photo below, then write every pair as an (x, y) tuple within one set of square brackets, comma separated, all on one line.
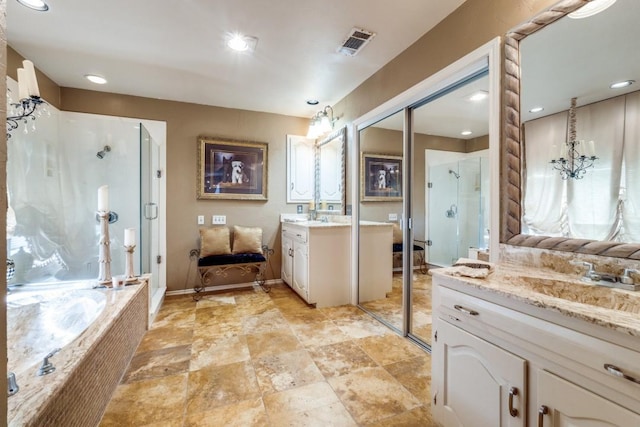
[(47, 367), (12, 384)]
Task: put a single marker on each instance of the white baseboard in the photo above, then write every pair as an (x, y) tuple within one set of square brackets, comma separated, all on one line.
[(223, 287)]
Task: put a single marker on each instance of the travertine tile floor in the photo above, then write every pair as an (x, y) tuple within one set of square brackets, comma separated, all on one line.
[(249, 358)]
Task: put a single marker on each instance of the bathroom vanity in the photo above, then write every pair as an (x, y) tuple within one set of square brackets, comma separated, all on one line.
[(316, 260), (531, 348)]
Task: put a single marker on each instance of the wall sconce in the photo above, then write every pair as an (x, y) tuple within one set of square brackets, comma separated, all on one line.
[(575, 164), (29, 98), (321, 123)]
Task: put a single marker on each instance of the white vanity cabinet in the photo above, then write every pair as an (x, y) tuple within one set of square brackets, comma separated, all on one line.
[(300, 169), (316, 262), (498, 361)]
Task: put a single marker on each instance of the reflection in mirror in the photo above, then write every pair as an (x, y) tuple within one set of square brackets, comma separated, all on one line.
[(380, 280), (330, 168), (567, 59)]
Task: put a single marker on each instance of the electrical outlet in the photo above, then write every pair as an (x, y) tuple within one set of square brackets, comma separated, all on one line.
[(299, 209), (393, 217), (219, 219), (200, 219)]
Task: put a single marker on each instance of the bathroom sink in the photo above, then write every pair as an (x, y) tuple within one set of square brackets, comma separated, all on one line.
[(581, 292)]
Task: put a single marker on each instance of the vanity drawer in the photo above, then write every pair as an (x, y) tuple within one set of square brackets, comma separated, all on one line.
[(571, 354), (299, 234)]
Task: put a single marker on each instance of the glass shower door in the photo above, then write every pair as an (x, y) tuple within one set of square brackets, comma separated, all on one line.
[(443, 214), (150, 176)]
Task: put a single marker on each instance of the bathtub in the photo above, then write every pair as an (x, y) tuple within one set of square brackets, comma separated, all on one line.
[(97, 332)]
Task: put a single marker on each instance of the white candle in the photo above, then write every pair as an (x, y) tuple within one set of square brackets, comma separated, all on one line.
[(312, 205), (129, 236), (23, 84), (103, 198), (32, 81)]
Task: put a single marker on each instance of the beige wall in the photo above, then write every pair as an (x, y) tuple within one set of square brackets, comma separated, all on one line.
[(49, 90)]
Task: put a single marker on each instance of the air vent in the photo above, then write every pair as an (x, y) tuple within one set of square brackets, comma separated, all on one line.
[(355, 41)]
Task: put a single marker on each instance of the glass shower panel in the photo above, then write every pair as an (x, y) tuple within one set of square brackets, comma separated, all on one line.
[(380, 280), (149, 207), (443, 213)]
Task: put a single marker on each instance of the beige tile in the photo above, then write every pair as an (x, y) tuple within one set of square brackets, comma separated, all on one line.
[(343, 312), (217, 386), (415, 375), (205, 353), (218, 329), (215, 314), (420, 416), (320, 333), (388, 349), (147, 402), (285, 371), (270, 320), (242, 414), (327, 416), (300, 399), (364, 326), (158, 363), (174, 317), (306, 316), (340, 359), (372, 394), (164, 337), (272, 343)]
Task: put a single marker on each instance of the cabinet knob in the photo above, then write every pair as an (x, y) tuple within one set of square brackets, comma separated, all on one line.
[(513, 391), (542, 411)]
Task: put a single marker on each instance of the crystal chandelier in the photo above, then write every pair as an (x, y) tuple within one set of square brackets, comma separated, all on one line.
[(575, 164), (29, 98)]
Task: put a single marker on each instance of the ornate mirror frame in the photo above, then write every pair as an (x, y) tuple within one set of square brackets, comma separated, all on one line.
[(342, 134), (512, 159)]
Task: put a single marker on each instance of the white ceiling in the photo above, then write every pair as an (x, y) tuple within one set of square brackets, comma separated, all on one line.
[(175, 49)]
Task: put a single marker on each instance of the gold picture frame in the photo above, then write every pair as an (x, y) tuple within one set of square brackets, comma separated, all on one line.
[(232, 170), (380, 178)]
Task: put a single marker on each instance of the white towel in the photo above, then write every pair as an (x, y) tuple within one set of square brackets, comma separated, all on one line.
[(467, 267), (475, 264)]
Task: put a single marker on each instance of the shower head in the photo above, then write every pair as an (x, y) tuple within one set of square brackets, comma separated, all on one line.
[(105, 150), (457, 175)]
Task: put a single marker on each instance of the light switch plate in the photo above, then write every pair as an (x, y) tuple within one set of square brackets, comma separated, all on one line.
[(393, 217), (219, 219), (200, 219), (299, 209)]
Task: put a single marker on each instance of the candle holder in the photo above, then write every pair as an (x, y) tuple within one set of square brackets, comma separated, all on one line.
[(104, 274), (129, 275)]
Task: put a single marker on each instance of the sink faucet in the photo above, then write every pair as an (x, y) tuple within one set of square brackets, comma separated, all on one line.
[(590, 273), (610, 280), (626, 278)]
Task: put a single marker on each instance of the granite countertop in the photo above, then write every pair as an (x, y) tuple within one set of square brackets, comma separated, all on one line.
[(317, 224), (612, 308)]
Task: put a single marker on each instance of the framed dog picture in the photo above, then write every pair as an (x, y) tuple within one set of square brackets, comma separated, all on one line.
[(231, 169), (380, 178)]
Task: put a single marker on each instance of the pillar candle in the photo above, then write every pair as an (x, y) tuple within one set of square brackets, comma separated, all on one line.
[(323, 205), (32, 81), (312, 205), (129, 236), (23, 85), (103, 198)]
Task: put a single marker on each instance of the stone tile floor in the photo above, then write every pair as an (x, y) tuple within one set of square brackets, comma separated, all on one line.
[(249, 358)]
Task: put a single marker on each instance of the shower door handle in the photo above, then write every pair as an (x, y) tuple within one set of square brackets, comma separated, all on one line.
[(150, 211)]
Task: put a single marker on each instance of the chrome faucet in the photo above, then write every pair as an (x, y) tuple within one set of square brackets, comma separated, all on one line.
[(12, 384), (610, 280), (626, 278), (590, 274), (47, 367)]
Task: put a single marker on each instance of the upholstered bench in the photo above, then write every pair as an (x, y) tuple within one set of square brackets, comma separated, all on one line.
[(217, 255), (418, 251)]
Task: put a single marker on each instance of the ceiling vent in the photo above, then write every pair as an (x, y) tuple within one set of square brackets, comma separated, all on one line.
[(355, 41)]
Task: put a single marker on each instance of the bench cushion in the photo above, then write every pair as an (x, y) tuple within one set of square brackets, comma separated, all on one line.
[(230, 259), (397, 247)]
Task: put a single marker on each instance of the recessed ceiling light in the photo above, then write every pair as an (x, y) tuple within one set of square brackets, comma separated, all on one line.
[(624, 83), (591, 8), (536, 109), (38, 5), (313, 102), (478, 96), (95, 79), (241, 43), (466, 132)]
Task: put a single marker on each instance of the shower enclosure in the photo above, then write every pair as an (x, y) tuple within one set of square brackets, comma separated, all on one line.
[(457, 209)]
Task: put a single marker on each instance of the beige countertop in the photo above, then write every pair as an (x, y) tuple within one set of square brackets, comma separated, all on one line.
[(615, 309)]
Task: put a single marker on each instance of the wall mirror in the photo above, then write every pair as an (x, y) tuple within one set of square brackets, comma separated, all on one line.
[(548, 61), (330, 171)]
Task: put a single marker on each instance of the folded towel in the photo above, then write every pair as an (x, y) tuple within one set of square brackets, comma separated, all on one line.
[(474, 264), (465, 271)]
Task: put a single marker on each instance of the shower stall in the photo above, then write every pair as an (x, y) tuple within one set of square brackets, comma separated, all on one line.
[(457, 204)]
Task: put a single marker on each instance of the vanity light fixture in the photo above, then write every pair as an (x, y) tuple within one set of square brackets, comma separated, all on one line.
[(321, 123), (94, 78), (591, 8), (624, 83), (28, 99), (38, 5), (466, 132), (575, 164), (241, 43), (536, 109), (478, 96)]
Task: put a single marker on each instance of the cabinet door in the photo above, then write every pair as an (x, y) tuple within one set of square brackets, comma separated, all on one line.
[(301, 169), (476, 383), (561, 403), (301, 270), (287, 261)]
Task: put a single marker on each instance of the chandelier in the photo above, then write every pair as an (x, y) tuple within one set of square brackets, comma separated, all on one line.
[(575, 164), (29, 98)]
